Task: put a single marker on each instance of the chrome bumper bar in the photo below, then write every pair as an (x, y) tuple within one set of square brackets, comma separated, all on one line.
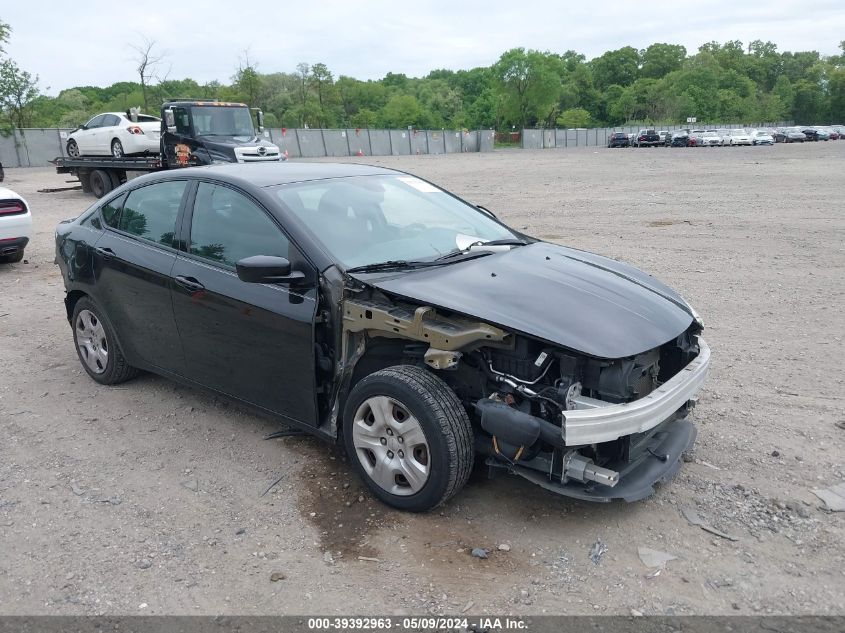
[(594, 421)]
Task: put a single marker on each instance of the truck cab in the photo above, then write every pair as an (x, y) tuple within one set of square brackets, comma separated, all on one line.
[(206, 132)]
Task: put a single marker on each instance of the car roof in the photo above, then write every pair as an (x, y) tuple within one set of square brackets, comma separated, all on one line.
[(273, 173)]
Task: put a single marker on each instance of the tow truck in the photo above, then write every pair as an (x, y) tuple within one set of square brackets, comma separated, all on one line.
[(193, 132)]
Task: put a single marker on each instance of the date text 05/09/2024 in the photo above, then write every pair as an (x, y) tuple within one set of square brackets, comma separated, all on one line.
[(418, 624)]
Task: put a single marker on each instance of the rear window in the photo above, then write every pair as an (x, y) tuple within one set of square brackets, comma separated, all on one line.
[(146, 118)]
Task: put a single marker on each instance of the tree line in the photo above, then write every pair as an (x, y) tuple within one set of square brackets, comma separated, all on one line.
[(523, 88)]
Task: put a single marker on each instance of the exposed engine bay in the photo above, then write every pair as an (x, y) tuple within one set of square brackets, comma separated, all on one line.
[(522, 392)]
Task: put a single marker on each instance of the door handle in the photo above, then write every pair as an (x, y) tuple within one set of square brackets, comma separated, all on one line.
[(189, 283), (104, 251)]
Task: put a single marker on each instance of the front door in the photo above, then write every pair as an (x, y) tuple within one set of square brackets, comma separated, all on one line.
[(133, 260), (177, 147), (251, 341)]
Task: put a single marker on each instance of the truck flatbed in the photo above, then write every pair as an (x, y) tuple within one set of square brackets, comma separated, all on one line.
[(101, 174), (65, 165)]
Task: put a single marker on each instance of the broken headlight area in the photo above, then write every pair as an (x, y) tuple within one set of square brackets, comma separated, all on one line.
[(591, 428)]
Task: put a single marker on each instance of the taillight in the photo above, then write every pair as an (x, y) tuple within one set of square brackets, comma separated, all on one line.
[(134, 129), (12, 207)]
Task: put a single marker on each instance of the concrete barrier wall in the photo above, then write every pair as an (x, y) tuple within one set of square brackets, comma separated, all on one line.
[(35, 147), (453, 142), (400, 142), (380, 144), (532, 139)]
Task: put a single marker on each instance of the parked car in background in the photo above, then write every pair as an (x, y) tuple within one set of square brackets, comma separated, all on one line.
[(115, 134), (821, 133), (646, 138), (761, 137), (833, 133), (618, 139), (357, 303), (810, 134), (840, 130), (710, 139), (678, 138), (15, 226), (663, 134), (738, 137), (790, 135), (695, 138)]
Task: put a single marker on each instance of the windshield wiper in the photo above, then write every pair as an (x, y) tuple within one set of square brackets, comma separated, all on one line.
[(509, 241), (393, 264)]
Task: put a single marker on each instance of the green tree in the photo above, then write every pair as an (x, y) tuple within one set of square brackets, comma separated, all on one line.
[(658, 60), (529, 86), (574, 118), (323, 87), (619, 67), (5, 31), (18, 91), (402, 111)]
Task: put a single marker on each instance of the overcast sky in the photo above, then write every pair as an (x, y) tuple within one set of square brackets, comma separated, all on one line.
[(88, 43)]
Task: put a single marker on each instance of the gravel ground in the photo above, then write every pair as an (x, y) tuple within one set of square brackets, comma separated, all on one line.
[(147, 497)]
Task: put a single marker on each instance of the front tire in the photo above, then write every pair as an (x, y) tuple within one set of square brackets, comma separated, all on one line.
[(408, 437), (96, 345), (73, 149)]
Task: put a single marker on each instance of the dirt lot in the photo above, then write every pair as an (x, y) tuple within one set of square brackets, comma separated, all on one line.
[(147, 498)]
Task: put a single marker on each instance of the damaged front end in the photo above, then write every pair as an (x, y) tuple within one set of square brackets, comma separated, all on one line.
[(596, 429), (585, 427)]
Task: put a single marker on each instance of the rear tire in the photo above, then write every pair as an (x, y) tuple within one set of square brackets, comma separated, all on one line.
[(408, 407), (101, 182), (96, 345), (117, 148)]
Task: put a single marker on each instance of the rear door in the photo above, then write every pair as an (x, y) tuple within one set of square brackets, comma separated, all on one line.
[(133, 260), (251, 341), (105, 133)]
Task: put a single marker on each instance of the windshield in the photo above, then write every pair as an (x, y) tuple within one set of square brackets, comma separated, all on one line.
[(366, 220), (222, 121)]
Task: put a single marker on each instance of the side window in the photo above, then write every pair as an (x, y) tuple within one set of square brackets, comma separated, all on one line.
[(183, 125), (111, 211), (97, 121), (227, 226), (150, 212), (110, 120)]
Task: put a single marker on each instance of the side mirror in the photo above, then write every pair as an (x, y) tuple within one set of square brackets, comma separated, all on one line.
[(170, 121), (267, 269), (260, 116), (82, 126)]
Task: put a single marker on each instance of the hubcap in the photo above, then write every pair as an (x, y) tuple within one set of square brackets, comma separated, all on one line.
[(91, 341), (391, 446)]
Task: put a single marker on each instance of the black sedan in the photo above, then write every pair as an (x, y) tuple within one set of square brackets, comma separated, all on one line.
[(618, 139), (372, 308), (679, 138)]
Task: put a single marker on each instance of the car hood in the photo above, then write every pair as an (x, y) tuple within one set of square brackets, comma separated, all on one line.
[(584, 302)]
